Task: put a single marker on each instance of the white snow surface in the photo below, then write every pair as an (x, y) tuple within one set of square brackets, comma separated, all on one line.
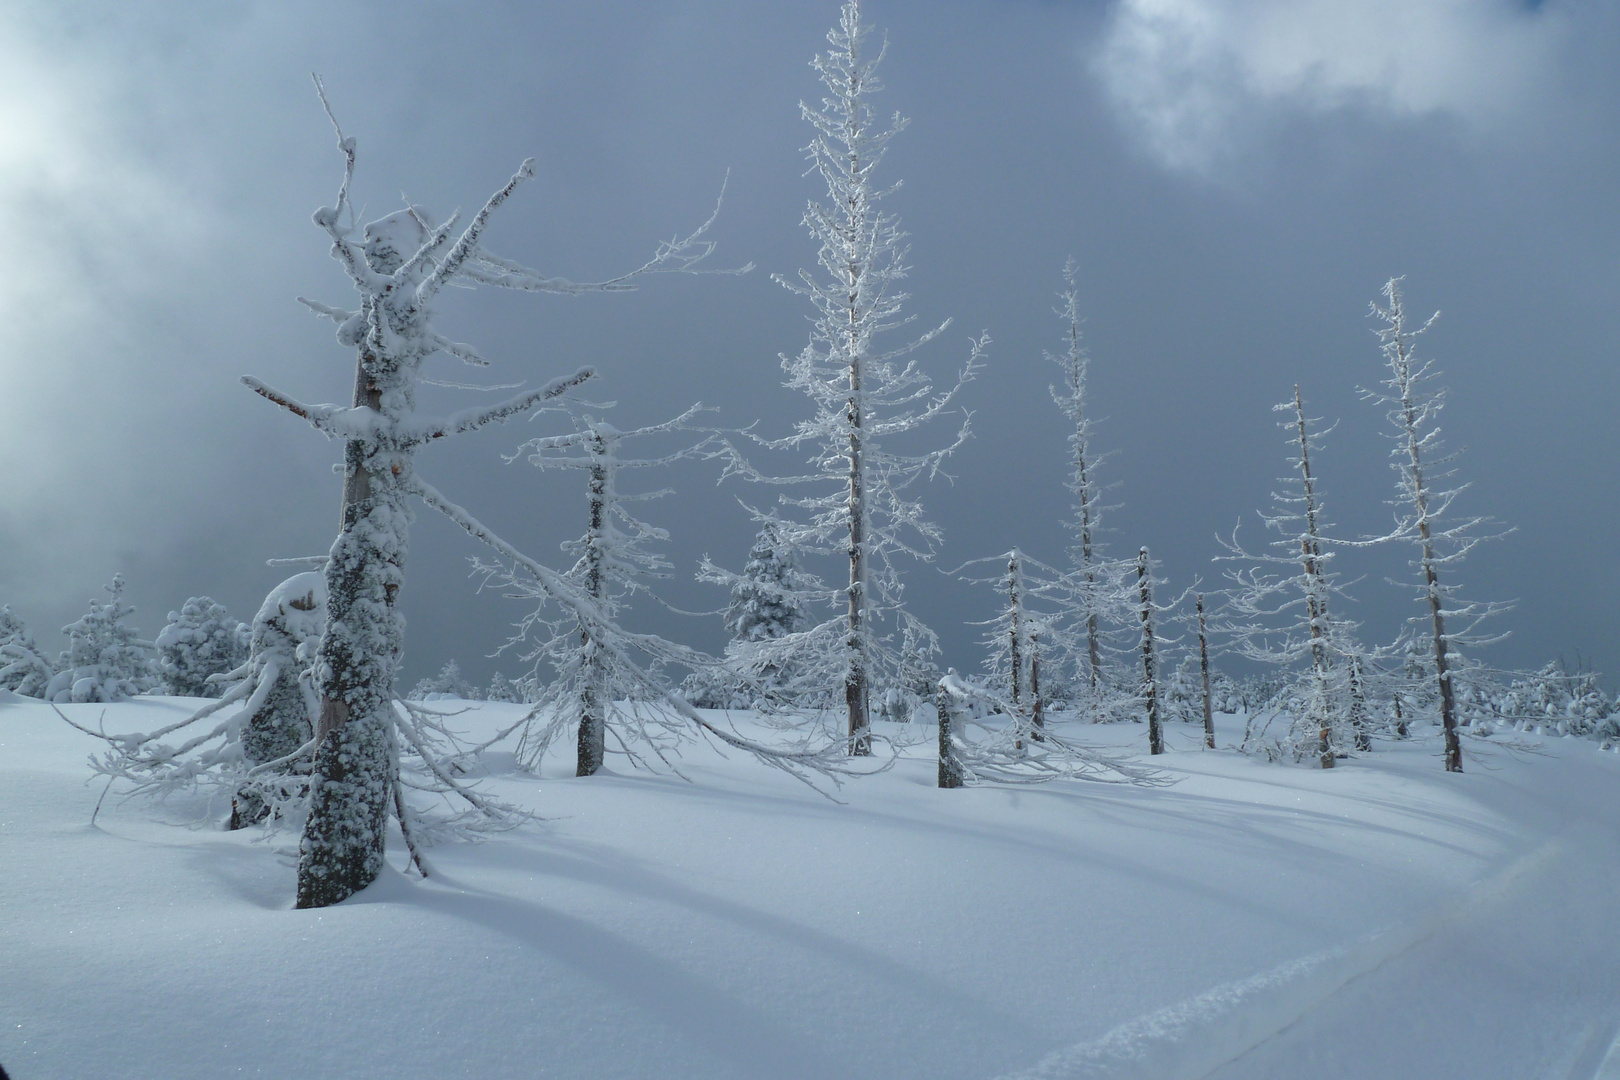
[(1380, 920)]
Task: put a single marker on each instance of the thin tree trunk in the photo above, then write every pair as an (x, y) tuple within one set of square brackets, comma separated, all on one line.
[(593, 694), (1015, 631), (1315, 594), (1037, 708), (1203, 668), (1150, 662)]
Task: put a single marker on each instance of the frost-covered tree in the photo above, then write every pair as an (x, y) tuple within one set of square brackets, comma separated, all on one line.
[(1098, 592), (23, 668), (503, 689), (449, 682), (398, 266), (1423, 503), (767, 598), (1279, 603), (201, 639), (1029, 591), (614, 559), (766, 615), (866, 395), (105, 660)]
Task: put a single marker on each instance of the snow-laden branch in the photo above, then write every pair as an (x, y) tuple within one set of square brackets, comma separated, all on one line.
[(421, 430)]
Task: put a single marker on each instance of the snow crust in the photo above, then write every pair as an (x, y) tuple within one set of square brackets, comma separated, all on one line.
[(1381, 920)]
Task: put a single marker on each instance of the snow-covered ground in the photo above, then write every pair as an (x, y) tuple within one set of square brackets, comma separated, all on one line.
[(1381, 920)]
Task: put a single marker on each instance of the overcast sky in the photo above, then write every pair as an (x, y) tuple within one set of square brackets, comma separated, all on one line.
[(1236, 178)]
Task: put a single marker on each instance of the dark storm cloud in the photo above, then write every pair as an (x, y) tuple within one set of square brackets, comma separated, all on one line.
[(1236, 181)]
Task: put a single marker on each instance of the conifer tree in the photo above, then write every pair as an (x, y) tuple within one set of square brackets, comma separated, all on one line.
[(1413, 403), (201, 639), (1097, 588), (614, 558), (449, 682), (865, 395), (767, 597), (23, 668), (104, 660), (398, 266), (1280, 605)]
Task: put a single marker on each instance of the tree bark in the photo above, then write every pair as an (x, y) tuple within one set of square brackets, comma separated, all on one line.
[(593, 704), (1203, 668), (950, 769), (352, 779), (1150, 662)]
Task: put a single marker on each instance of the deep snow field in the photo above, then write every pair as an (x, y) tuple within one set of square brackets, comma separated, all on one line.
[(1381, 920)]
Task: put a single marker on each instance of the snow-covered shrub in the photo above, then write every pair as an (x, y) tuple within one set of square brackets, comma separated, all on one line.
[(200, 640), (1564, 701), (280, 710), (1184, 692), (23, 669), (104, 660), (448, 683), (503, 689)]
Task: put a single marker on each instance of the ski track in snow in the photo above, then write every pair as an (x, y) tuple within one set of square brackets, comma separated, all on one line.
[(1192, 1038)]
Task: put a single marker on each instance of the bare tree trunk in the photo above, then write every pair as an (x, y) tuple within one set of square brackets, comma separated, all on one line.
[(1203, 668), (593, 694), (1015, 632), (1037, 708), (1150, 661), (857, 678), (1316, 593), (1448, 703)]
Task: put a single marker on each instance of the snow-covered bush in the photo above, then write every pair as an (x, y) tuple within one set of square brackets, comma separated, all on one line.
[(448, 683), (200, 640), (23, 668), (1184, 692), (1563, 701), (503, 689), (104, 660)]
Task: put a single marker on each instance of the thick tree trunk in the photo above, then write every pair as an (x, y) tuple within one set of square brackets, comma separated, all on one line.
[(1203, 668), (1358, 705), (352, 780), (1150, 660)]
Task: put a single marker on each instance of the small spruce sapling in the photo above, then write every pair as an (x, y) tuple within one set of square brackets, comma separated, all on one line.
[(104, 660)]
